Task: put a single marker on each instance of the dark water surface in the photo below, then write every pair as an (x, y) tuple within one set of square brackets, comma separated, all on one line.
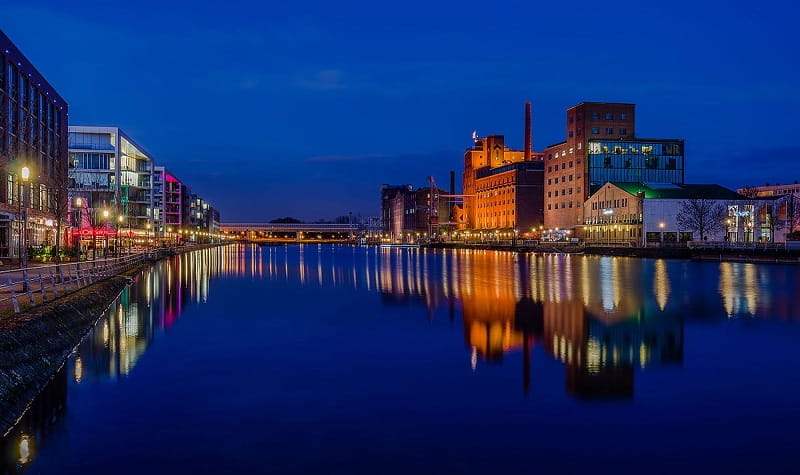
[(336, 359)]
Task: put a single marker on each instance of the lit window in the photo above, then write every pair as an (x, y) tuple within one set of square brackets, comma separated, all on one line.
[(595, 130)]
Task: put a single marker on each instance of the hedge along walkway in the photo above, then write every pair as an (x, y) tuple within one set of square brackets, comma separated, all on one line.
[(34, 344)]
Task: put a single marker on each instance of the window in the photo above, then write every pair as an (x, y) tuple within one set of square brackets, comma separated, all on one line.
[(10, 190), (42, 196), (563, 166), (623, 131), (570, 134), (609, 116), (672, 163), (549, 181), (579, 132), (609, 130), (570, 164), (623, 116), (595, 116), (570, 178), (607, 162), (595, 130), (571, 119)]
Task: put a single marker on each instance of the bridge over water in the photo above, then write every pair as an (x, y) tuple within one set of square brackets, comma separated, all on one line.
[(289, 231)]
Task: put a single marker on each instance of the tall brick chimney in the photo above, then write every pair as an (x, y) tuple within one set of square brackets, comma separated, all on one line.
[(528, 135)]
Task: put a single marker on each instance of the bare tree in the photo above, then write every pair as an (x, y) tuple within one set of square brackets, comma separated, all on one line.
[(59, 200), (702, 216), (793, 213)]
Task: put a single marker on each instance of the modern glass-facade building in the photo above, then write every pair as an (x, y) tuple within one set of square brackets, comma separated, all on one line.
[(33, 121), (113, 176), (639, 160)]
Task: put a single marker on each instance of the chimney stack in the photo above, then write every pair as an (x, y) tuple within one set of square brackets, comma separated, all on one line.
[(528, 135)]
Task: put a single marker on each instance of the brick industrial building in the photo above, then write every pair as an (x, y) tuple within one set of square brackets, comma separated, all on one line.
[(503, 188), (601, 146)]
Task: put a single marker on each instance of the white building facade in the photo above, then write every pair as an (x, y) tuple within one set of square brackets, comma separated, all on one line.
[(641, 214), (111, 183)]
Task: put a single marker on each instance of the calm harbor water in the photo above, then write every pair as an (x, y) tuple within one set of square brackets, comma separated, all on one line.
[(336, 359)]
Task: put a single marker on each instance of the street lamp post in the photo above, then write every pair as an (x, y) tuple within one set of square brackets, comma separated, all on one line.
[(120, 218), (25, 173), (105, 233), (79, 205)]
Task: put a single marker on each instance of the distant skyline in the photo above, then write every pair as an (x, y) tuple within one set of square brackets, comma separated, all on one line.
[(278, 109)]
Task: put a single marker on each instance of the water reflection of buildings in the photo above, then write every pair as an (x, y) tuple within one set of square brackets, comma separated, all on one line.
[(592, 314), (602, 317), (599, 316), (152, 304)]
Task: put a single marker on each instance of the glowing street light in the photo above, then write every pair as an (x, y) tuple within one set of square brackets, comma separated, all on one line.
[(24, 173)]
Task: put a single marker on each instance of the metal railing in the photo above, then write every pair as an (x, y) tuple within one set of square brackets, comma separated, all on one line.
[(738, 246), (24, 288)]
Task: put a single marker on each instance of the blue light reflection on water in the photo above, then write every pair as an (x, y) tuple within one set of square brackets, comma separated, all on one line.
[(352, 359)]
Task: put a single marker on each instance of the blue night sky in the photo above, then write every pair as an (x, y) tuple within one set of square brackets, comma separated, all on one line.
[(304, 108)]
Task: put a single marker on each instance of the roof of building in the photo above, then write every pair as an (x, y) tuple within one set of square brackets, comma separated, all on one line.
[(672, 191), (556, 144), (17, 56), (634, 140), (601, 103)]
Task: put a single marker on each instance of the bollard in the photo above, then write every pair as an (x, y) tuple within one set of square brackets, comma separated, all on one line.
[(53, 284), (28, 289), (63, 282), (13, 296), (41, 284)]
